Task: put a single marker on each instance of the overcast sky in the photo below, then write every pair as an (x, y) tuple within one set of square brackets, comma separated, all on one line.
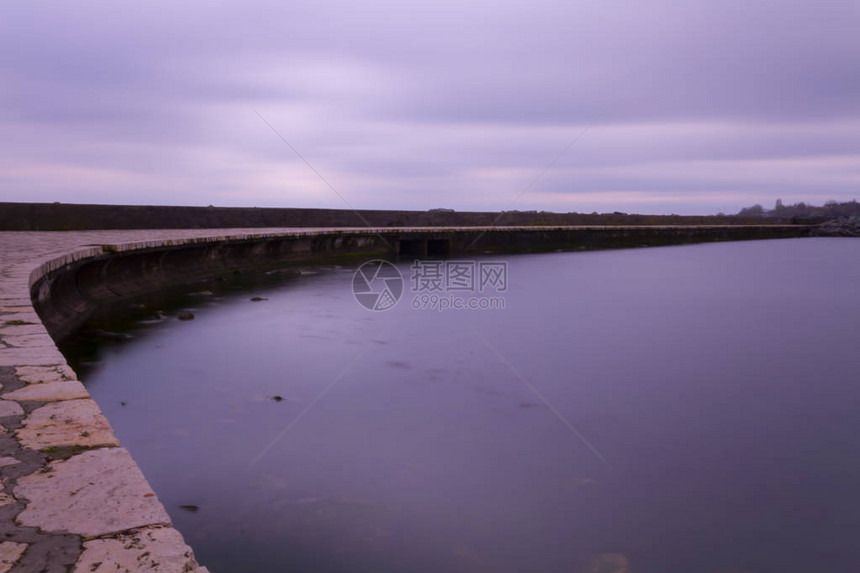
[(694, 107)]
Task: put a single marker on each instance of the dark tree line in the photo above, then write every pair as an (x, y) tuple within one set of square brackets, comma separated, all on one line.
[(830, 210)]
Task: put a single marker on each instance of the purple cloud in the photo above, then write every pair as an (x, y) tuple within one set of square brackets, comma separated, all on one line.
[(703, 106)]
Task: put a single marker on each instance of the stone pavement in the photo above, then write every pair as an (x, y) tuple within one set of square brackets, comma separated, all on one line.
[(71, 499)]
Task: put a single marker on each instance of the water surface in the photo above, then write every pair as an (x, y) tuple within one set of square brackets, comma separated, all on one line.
[(718, 381)]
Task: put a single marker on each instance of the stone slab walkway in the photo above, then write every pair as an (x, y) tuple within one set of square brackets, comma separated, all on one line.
[(71, 499)]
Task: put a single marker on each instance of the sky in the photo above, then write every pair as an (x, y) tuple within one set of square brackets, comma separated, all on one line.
[(693, 107)]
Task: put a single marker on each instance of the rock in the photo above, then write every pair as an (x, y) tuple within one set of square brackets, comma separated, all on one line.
[(49, 392), (159, 550), (10, 409), (257, 298), (29, 340), (70, 423), (38, 374), (185, 316), (96, 493), (10, 552), (31, 356), (16, 329), (841, 227)]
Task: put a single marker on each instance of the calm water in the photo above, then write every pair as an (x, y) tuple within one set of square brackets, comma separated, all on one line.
[(720, 382)]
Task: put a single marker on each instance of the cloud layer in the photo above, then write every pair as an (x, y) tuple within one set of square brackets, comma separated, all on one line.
[(693, 107)]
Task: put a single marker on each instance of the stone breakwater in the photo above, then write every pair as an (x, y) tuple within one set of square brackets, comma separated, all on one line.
[(841, 227), (72, 499)]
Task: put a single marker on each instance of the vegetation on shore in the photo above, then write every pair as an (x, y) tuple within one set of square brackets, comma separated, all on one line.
[(830, 210)]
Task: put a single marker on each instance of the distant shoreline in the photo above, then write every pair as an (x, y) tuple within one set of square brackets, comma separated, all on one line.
[(83, 217)]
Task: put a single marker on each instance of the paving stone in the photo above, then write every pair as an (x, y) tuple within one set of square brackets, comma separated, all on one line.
[(29, 340), (17, 329), (93, 494), (10, 552), (38, 374), (157, 550), (22, 316), (10, 309), (48, 392), (37, 356), (15, 302), (10, 409), (64, 424)]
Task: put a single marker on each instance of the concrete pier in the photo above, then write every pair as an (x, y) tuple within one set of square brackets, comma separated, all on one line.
[(72, 498)]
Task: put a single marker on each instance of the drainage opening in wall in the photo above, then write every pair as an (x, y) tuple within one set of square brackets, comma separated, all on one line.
[(412, 247), (438, 247), (424, 247)]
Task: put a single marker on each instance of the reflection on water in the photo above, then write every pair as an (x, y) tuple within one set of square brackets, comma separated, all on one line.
[(718, 381)]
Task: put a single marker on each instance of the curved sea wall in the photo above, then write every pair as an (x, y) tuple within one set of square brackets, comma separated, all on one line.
[(72, 499), (66, 290)]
